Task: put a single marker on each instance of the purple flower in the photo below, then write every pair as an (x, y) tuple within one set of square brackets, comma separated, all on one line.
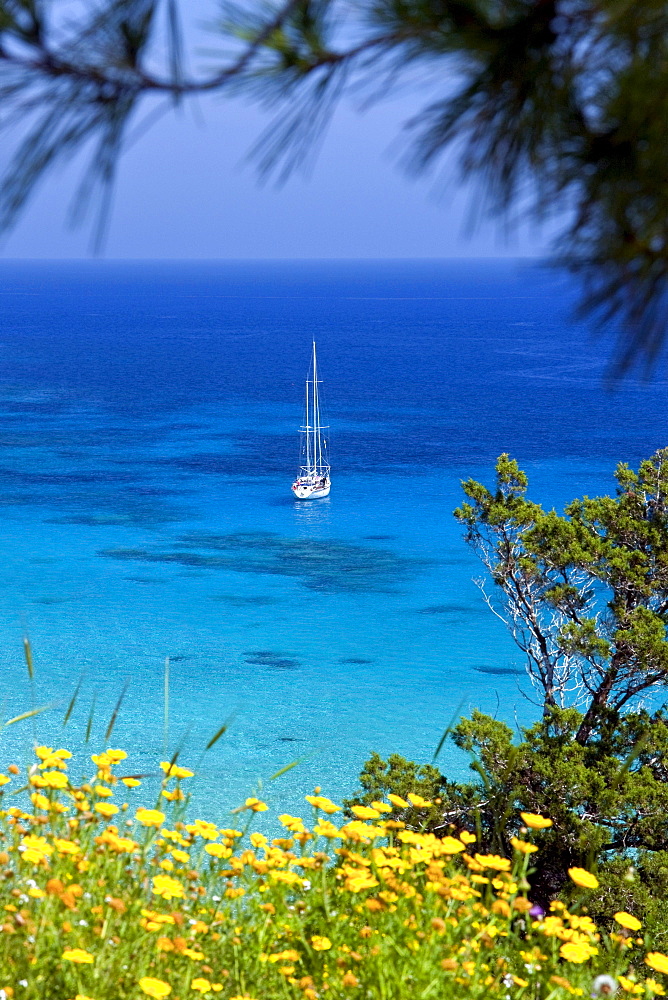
[(537, 912)]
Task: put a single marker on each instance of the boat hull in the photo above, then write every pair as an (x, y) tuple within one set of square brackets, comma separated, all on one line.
[(304, 491)]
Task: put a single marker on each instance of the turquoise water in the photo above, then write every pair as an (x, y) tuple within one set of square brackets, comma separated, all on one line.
[(147, 425)]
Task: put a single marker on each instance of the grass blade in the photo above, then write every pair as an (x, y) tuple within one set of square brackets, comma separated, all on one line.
[(114, 714), (221, 732), (70, 707), (288, 767), (448, 730), (165, 736), (28, 655), (90, 717), (27, 715)]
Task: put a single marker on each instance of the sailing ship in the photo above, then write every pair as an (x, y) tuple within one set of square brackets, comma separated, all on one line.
[(313, 480)]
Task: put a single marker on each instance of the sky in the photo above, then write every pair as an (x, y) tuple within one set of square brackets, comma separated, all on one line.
[(186, 189)]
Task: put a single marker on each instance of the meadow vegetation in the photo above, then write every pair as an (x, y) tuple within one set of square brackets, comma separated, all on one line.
[(107, 899)]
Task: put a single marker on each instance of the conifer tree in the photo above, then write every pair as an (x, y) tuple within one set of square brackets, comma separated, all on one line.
[(555, 106)]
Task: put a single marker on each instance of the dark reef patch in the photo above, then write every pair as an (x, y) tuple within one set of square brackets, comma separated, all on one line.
[(270, 658), (355, 659), (326, 565), (500, 671), (145, 579), (379, 538), (49, 600), (450, 609), (252, 601)]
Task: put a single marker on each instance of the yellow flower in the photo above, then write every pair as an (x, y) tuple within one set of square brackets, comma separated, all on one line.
[(155, 988), (293, 823), (181, 856), (362, 879), (4, 780), (43, 752), (106, 809), (289, 878), (218, 850), (657, 961), (116, 755), (150, 817), (35, 849), (629, 986), (396, 800), (583, 878), (655, 987), (131, 782), (627, 920), (255, 805), (325, 828), (467, 838), (176, 795), (382, 807), (450, 845), (102, 761), (174, 771), (167, 887), (79, 956), (103, 791), (289, 955), (66, 846), (320, 802), (201, 985), (577, 951), (535, 821), (494, 861), (209, 831), (54, 779), (319, 943), (522, 846), (418, 801), (365, 812)]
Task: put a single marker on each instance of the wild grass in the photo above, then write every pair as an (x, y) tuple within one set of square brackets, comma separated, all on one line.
[(106, 898)]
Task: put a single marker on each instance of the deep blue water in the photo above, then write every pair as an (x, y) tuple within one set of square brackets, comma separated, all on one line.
[(148, 417)]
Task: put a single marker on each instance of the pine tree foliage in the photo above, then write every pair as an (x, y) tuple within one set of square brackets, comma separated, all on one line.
[(585, 596), (554, 106)]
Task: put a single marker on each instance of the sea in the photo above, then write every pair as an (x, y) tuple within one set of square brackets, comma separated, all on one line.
[(148, 441)]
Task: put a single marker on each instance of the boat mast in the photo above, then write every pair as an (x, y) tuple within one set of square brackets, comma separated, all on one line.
[(317, 447), (306, 428)]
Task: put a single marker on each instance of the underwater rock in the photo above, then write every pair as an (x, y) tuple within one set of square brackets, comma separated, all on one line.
[(326, 565)]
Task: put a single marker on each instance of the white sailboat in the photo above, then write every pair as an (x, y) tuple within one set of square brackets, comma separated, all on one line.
[(313, 480)]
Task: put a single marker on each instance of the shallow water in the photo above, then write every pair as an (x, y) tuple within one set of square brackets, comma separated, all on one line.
[(147, 434)]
